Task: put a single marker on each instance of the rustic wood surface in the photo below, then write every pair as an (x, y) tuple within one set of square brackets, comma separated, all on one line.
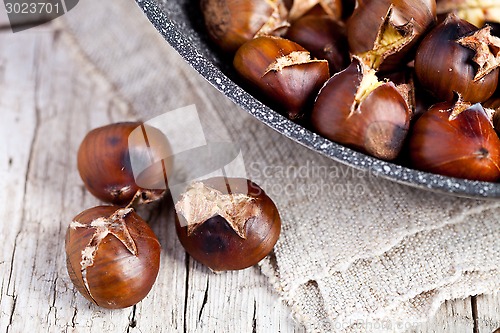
[(50, 96), (4, 20)]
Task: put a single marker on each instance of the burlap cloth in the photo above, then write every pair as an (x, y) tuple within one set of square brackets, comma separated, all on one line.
[(355, 251)]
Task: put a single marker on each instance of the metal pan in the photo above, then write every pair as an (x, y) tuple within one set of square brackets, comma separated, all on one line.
[(180, 23)]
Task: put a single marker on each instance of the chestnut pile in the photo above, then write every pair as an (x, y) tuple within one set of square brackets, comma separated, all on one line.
[(410, 81), (113, 256)]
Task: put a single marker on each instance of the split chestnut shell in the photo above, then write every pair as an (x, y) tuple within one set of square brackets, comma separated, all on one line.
[(324, 37), (283, 71), (112, 256), (456, 57), (387, 30), (227, 223), (357, 110)]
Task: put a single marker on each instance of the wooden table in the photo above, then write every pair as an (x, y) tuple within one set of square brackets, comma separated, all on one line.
[(50, 96)]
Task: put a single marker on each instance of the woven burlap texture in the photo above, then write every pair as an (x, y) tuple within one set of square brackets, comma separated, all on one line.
[(355, 250)]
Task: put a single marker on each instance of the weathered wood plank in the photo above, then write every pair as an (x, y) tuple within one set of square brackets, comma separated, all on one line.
[(17, 132), (452, 317), (488, 313), (220, 302), (50, 104)]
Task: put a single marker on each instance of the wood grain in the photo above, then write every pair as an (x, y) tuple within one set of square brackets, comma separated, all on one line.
[(455, 316), (488, 313)]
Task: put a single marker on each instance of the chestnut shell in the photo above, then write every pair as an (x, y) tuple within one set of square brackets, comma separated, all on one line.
[(117, 278), (464, 147), (215, 244), (104, 161), (367, 19), (324, 37), (379, 124), (444, 67), (290, 89)]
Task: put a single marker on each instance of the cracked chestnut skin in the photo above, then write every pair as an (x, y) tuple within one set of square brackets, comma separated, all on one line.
[(117, 278), (445, 67), (215, 243)]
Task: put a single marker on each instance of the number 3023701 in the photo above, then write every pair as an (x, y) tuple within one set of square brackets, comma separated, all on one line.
[(32, 8)]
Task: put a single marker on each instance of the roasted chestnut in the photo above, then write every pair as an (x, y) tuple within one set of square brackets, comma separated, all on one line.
[(227, 223), (383, 32), (324, 37), (457, 57), (112, 256), (283, 71), (230, 23), (354, 108), (456, 139), (493, 106), (117, 162)]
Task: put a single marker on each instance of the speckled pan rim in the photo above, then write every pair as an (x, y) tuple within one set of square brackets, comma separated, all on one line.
[(387, 170)]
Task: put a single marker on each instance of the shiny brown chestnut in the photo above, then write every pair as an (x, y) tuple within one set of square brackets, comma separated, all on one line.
[(112, 256), (227, 223), (108, 157), (456, 57), (324, 37), (283, 71), (456, 139), (386, 31), (355, 109), (230, 23)]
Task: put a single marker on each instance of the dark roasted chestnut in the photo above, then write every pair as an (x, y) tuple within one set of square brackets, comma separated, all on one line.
[(324, 37), (383, 32), (112, 256), (456, 57), (456, 139), (354, 108), (105, 163), (283, 71), (227, 223)]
